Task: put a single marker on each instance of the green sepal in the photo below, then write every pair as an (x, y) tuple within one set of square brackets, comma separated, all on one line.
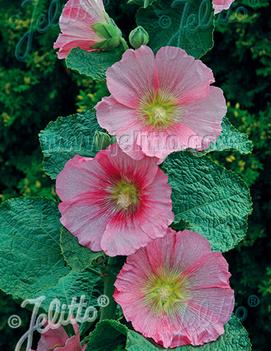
[(110, 33)]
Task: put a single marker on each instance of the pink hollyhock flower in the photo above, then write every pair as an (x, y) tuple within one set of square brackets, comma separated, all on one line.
[(176, 290), (114, 203), (161, 104), (220, 5), (58, 340), (85, 24)]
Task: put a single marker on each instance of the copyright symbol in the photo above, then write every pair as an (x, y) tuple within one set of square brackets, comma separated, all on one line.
[(14, 321), (165, 21), (253, 301), (103, 301)]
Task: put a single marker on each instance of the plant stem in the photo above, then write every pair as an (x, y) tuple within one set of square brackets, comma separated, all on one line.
[(124, 44), (109, 311)]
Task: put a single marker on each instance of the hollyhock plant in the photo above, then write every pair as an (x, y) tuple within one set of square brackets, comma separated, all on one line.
[(220, 5), (176, 290), (58, 340), (113, 202), (85, 24), (161, 104)]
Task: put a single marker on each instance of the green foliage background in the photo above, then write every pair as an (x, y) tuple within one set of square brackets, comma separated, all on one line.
[(37, 89)]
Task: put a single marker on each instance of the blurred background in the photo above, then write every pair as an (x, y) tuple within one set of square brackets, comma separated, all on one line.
[(35, 88)]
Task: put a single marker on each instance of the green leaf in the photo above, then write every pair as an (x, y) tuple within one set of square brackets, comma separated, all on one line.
[(231, 139), (93, 64), (78, 257), (66, 137), (30, 255), (73, 285), (235, 338), (107, 336), (187, 24), (31, 263), (110, 335), (212, 200)]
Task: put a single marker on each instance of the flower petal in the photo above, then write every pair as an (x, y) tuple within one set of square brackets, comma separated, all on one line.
[(88, 209), (72, 344), (181, 75), (52, 338), (186, 252), (124, 235), (220, 5), (76, 22), (129, 79), (115, 117), (160, 144), (81, 175), (207, 300), (86, 220), (114, 161), (205, 116), (123, 238)]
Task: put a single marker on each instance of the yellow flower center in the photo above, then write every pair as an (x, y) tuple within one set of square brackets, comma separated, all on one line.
[(159, 109), (125, 195), (166, 291)]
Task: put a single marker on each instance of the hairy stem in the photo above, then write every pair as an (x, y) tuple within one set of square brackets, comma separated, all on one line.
[(109, 311), (124, 44)]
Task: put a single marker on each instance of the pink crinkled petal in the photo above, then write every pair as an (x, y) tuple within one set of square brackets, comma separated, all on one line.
[(220, 5), (123, 236), (80, 176), (114, 161), (89, 212), (52, 338), (76, 22), (161, 143), (117, 119), (82, 188), (72, 344), (181, 75), (205, 116), (86, 220), (201, 316), (129, 79), (185, 252), (173, 78)]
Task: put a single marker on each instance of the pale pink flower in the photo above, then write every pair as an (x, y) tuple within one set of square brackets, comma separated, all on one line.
[(114, 203), (161, 104), (76, 24), (176, 290), (58, 340), (220, 5)]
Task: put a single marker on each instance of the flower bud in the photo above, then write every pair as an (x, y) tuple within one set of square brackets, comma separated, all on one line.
[(110, 34), (85, 24), (101, 140), (139, 36)]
